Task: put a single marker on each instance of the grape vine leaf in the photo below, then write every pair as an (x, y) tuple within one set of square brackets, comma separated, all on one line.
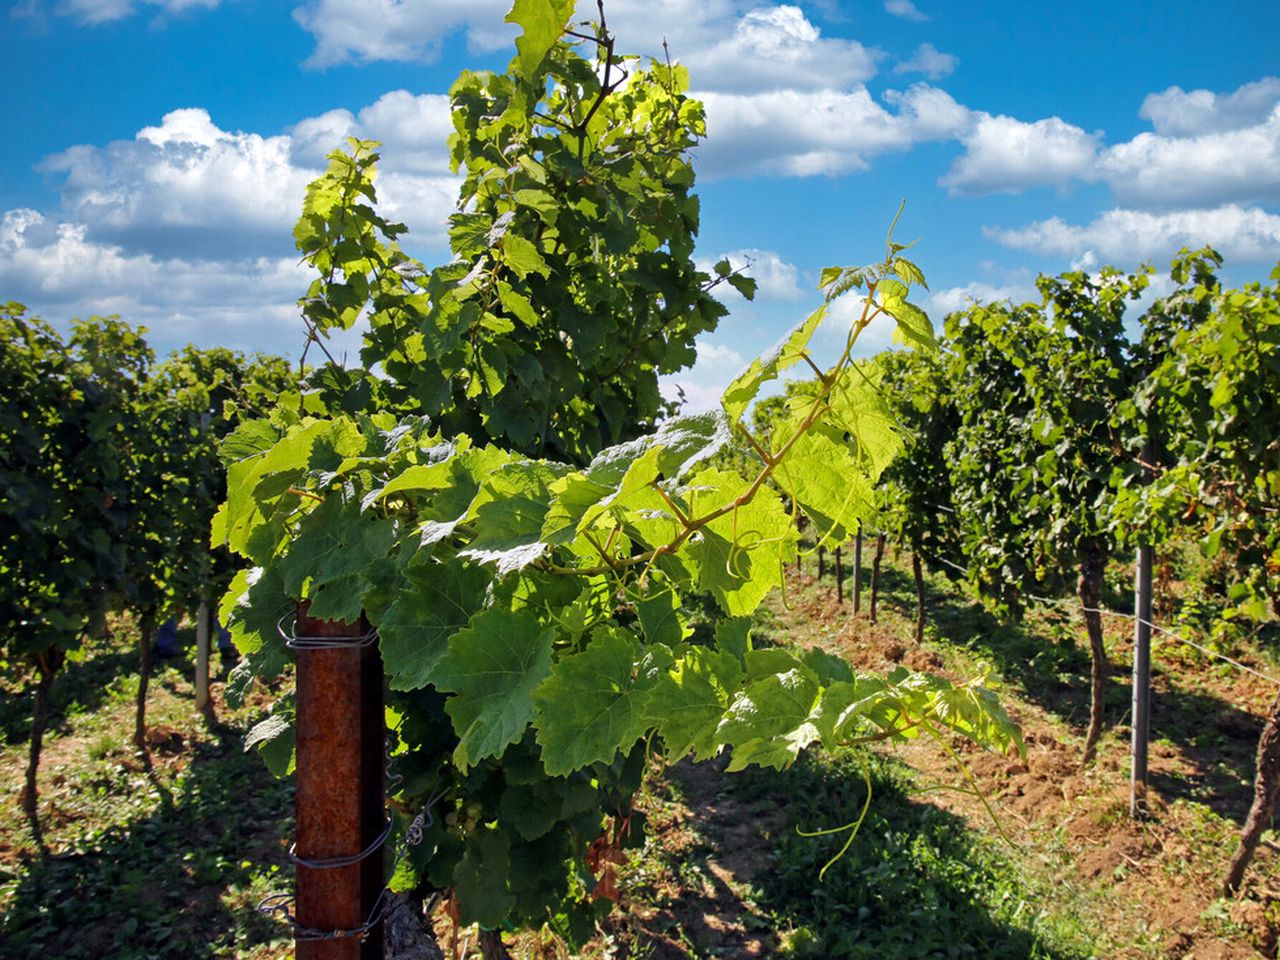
[(784, 354), (334, 544), (437, 602), (913, 323), (591, 706), (739, 555), (543, 21), (769, 722), (493, 667), (690, 699), (480, 878), (276, 740)]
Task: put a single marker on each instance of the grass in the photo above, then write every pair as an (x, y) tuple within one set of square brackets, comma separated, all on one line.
[(146, 864), (914, 883)]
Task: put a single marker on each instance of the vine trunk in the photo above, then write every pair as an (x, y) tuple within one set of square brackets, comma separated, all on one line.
[(917, 571), (144, 681), (46, 666), (875, 575), (1266, 789), (1089, 590)]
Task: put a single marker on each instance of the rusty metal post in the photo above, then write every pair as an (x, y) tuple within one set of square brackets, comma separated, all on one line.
[(340, 804)]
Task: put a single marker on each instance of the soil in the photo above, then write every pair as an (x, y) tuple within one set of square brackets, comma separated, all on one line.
[(1154, 884)]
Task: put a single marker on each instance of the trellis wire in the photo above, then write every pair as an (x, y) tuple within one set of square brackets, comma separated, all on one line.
[(295, 642), (1180, 638)]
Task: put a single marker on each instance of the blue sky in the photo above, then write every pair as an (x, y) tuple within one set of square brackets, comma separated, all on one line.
[(156, 150)]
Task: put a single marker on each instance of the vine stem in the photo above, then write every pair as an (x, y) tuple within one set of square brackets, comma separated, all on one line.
[(870, 310)]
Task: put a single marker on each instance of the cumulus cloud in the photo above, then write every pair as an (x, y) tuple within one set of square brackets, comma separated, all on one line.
[(1237, 164), (189, 188), (930, 61), (950, 299), (904, 9), (413, 130), (55, 268), (727, 44), (1178, 113), (703, 383), (1224, 149), (827, 132), (1005, 155), (1245, 234), (412, 30), (774, 48), (185, 182)]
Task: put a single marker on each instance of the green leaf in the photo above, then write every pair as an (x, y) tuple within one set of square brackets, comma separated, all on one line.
[(659, 614), (592, 704), (543, 22), (522, 256), (783, 355), (829, 276), (740, 555), (511, 513), (276, 740), (690, 699), (334, 545), (480, 878), (493, 667), (913, 323), (909, 272), (769, 722), (435, 603), (821, 475)]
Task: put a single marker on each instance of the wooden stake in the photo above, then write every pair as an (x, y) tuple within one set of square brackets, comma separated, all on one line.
[(857, 569), (875, 575), (822, 562), (202, 656), (839, 578)]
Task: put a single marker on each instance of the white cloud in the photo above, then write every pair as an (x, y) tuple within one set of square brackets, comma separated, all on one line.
[(949, 300), (1005, 155), (1231, 165), (1127, 236), (729, 45), (91, 12), (1225, 148), (930, 61), (1178, 113), (826, 132), (58, 271), (704, 382), (185, 181), (189, 188), (904, 9), (367, 30), (413, 131), (775, 48), (776, 279)]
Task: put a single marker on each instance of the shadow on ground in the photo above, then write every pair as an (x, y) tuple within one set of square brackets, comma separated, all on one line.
[(914, 883), (165, 884), (1214, 740)]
